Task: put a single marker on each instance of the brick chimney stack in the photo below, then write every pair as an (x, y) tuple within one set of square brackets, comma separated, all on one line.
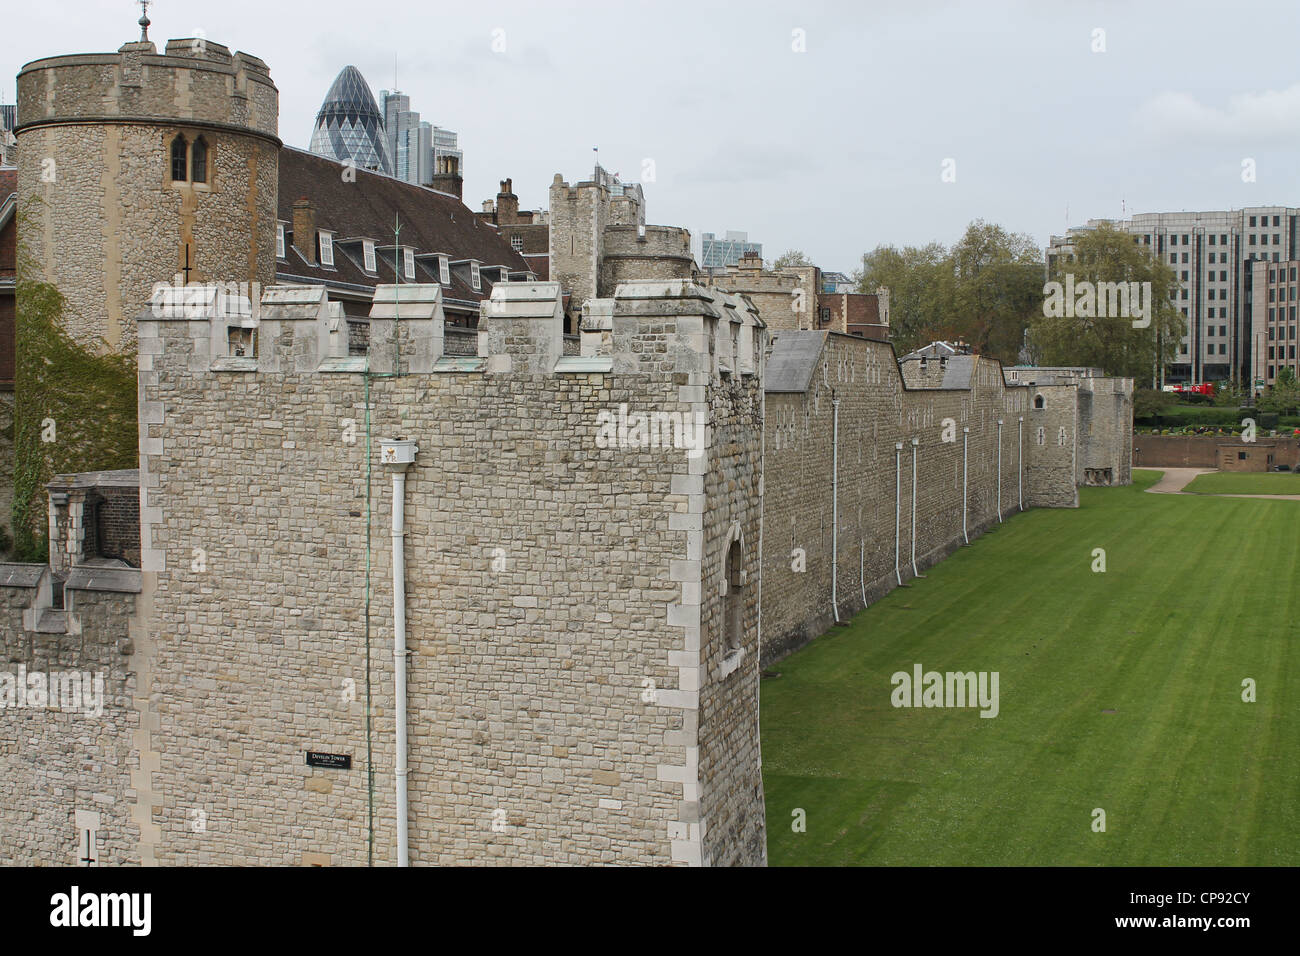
[(507, 204), (448, 183), (304, 229)]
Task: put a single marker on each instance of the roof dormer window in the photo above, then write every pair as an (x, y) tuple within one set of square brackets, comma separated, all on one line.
[(368, 252), (326, 248), (408, 262), (505, 274), (444, 270), (279, 240), (475, 278)]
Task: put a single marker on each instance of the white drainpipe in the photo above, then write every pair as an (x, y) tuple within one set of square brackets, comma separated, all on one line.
[(1020, 458), (397, 456), (915, 443), (862, 569), (898, 505), (965, 444), (835, 509), (999, 471)]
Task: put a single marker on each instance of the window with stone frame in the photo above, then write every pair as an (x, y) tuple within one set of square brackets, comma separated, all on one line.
[(733, 617), (199, 161), (242, 342), (180, 165)]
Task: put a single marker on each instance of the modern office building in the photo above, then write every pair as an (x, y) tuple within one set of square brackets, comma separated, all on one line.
[(448, 160), (388, 136), (1214, 255), (1273, 318), (349, 126), (718, 253), (8, 142), (419, 149), (837, 282)]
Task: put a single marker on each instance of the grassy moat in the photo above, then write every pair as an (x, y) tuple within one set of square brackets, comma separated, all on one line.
[(1120, 691)]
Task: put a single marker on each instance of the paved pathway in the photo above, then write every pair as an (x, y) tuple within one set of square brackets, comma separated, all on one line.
[(1174, 480)]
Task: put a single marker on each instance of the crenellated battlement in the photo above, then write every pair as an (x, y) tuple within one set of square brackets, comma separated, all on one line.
[(194, 80), (648, 327)]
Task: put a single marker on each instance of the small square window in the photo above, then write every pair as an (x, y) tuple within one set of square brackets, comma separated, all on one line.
[(1241, 456), (517, 243), (242, 342)]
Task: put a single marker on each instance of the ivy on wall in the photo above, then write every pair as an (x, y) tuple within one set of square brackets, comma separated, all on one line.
[(75, 411)]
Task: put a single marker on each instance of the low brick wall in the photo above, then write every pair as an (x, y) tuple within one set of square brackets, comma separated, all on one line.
[(1198, 451)]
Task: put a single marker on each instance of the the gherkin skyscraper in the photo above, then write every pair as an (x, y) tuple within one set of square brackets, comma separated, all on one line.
[(349, 125)]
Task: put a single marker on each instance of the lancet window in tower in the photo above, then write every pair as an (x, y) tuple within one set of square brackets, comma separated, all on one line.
[(199, 161), (179, 166)]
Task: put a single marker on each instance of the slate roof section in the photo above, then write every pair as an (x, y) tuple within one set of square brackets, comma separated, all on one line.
[(959, 371), (794, 358), (540, 263), (431, 222), (21, 575)]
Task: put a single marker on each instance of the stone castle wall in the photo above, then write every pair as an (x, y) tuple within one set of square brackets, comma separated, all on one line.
[(552, 586), (775, 295), (876, 412), (60, 762)]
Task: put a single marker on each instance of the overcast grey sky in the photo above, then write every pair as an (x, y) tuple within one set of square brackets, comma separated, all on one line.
[(831, 150)]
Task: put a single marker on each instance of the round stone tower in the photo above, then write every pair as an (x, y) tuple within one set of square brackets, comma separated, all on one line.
[(138, 166)]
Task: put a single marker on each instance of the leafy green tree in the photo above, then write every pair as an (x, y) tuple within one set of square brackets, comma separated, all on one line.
[(999, 283), (983, 290), (922, 290), (1150, 402), (1110, 342), (790, 258), (1230, 394), (1284, 395)]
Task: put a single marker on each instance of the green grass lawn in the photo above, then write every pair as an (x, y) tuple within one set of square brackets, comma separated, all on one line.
[(1197, 595), (1234, 483)]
